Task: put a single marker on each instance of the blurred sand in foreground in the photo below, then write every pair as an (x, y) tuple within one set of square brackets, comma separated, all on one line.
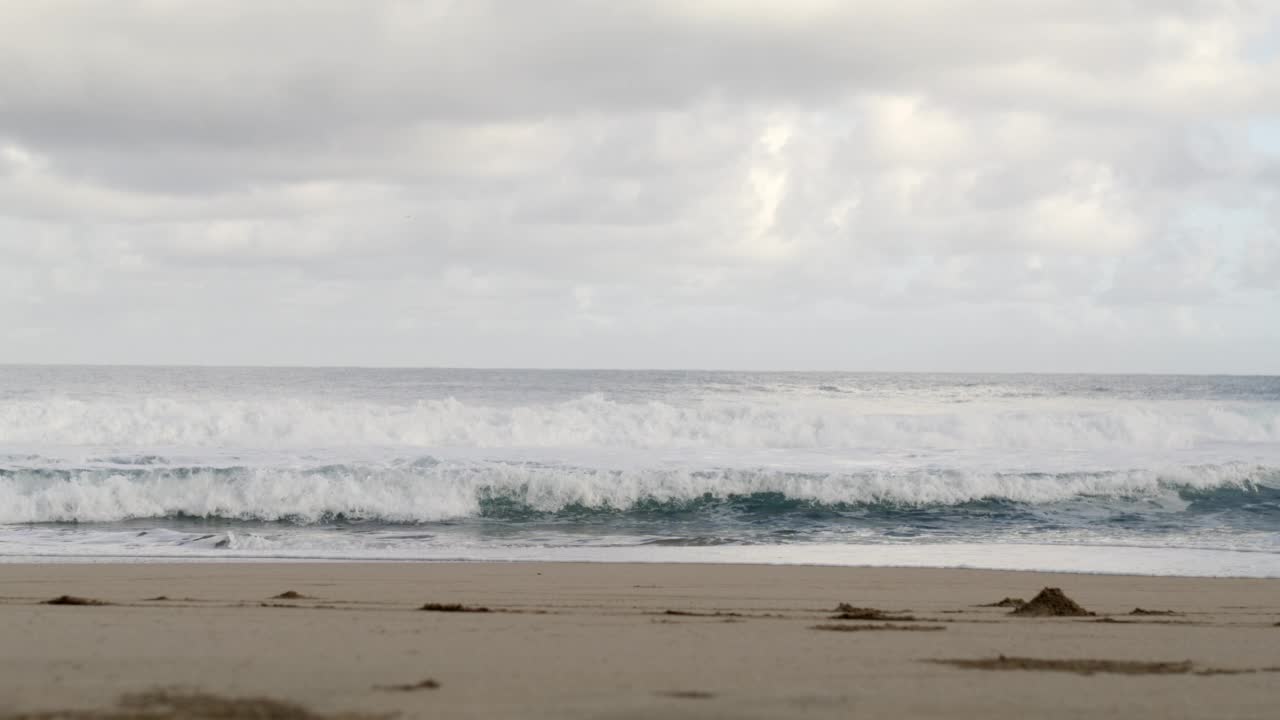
[(625, 641)]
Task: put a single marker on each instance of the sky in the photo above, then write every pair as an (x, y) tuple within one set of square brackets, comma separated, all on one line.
[(915, 185)]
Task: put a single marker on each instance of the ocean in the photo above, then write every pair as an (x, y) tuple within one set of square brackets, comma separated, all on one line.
[(1087, 473)]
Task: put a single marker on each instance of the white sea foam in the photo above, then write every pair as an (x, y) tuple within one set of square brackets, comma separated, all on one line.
[(1171, 558), (598, 421), (429, 490), (534, 465)]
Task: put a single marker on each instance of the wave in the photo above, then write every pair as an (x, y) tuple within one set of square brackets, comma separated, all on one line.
[(427, 490), (598, 421)]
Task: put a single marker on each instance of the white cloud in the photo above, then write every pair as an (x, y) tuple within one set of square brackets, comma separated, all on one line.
[(637, 183)]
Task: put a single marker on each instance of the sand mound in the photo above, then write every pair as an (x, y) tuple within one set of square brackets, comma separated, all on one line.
[(1051, 602), (289, 595)]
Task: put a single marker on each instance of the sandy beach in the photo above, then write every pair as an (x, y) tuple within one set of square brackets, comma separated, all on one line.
[(625, 641)]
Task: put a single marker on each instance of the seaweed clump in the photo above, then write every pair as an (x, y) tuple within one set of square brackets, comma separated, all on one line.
[(1011, 602), (74, 600), (454, 607)]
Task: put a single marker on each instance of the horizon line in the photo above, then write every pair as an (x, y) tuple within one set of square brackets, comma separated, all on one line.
[(497, 368)]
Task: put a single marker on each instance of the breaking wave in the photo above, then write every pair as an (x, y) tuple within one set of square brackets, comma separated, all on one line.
[(598, 421), (427, 490)]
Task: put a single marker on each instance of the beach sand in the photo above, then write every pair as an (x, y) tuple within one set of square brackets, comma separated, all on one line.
[(597, 641)]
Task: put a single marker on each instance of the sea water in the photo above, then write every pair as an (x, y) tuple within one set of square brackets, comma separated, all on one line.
[(1088, 473)]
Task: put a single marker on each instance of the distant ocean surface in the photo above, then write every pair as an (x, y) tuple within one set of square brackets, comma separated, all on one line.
[(1089, 473)]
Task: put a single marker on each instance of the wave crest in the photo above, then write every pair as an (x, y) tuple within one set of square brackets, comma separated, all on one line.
[(597, 421), (428, 490)]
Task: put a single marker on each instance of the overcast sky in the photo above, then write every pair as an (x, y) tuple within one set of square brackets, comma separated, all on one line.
[(800, 184)]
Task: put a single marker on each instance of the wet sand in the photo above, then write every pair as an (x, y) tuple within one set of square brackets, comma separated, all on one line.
[(625, 641)]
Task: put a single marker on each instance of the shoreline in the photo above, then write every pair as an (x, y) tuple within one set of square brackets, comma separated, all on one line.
[(1106, 560), (632, 640), (126, 561)]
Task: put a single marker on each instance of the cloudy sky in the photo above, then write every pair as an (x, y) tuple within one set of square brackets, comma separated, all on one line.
[(800, 184)]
